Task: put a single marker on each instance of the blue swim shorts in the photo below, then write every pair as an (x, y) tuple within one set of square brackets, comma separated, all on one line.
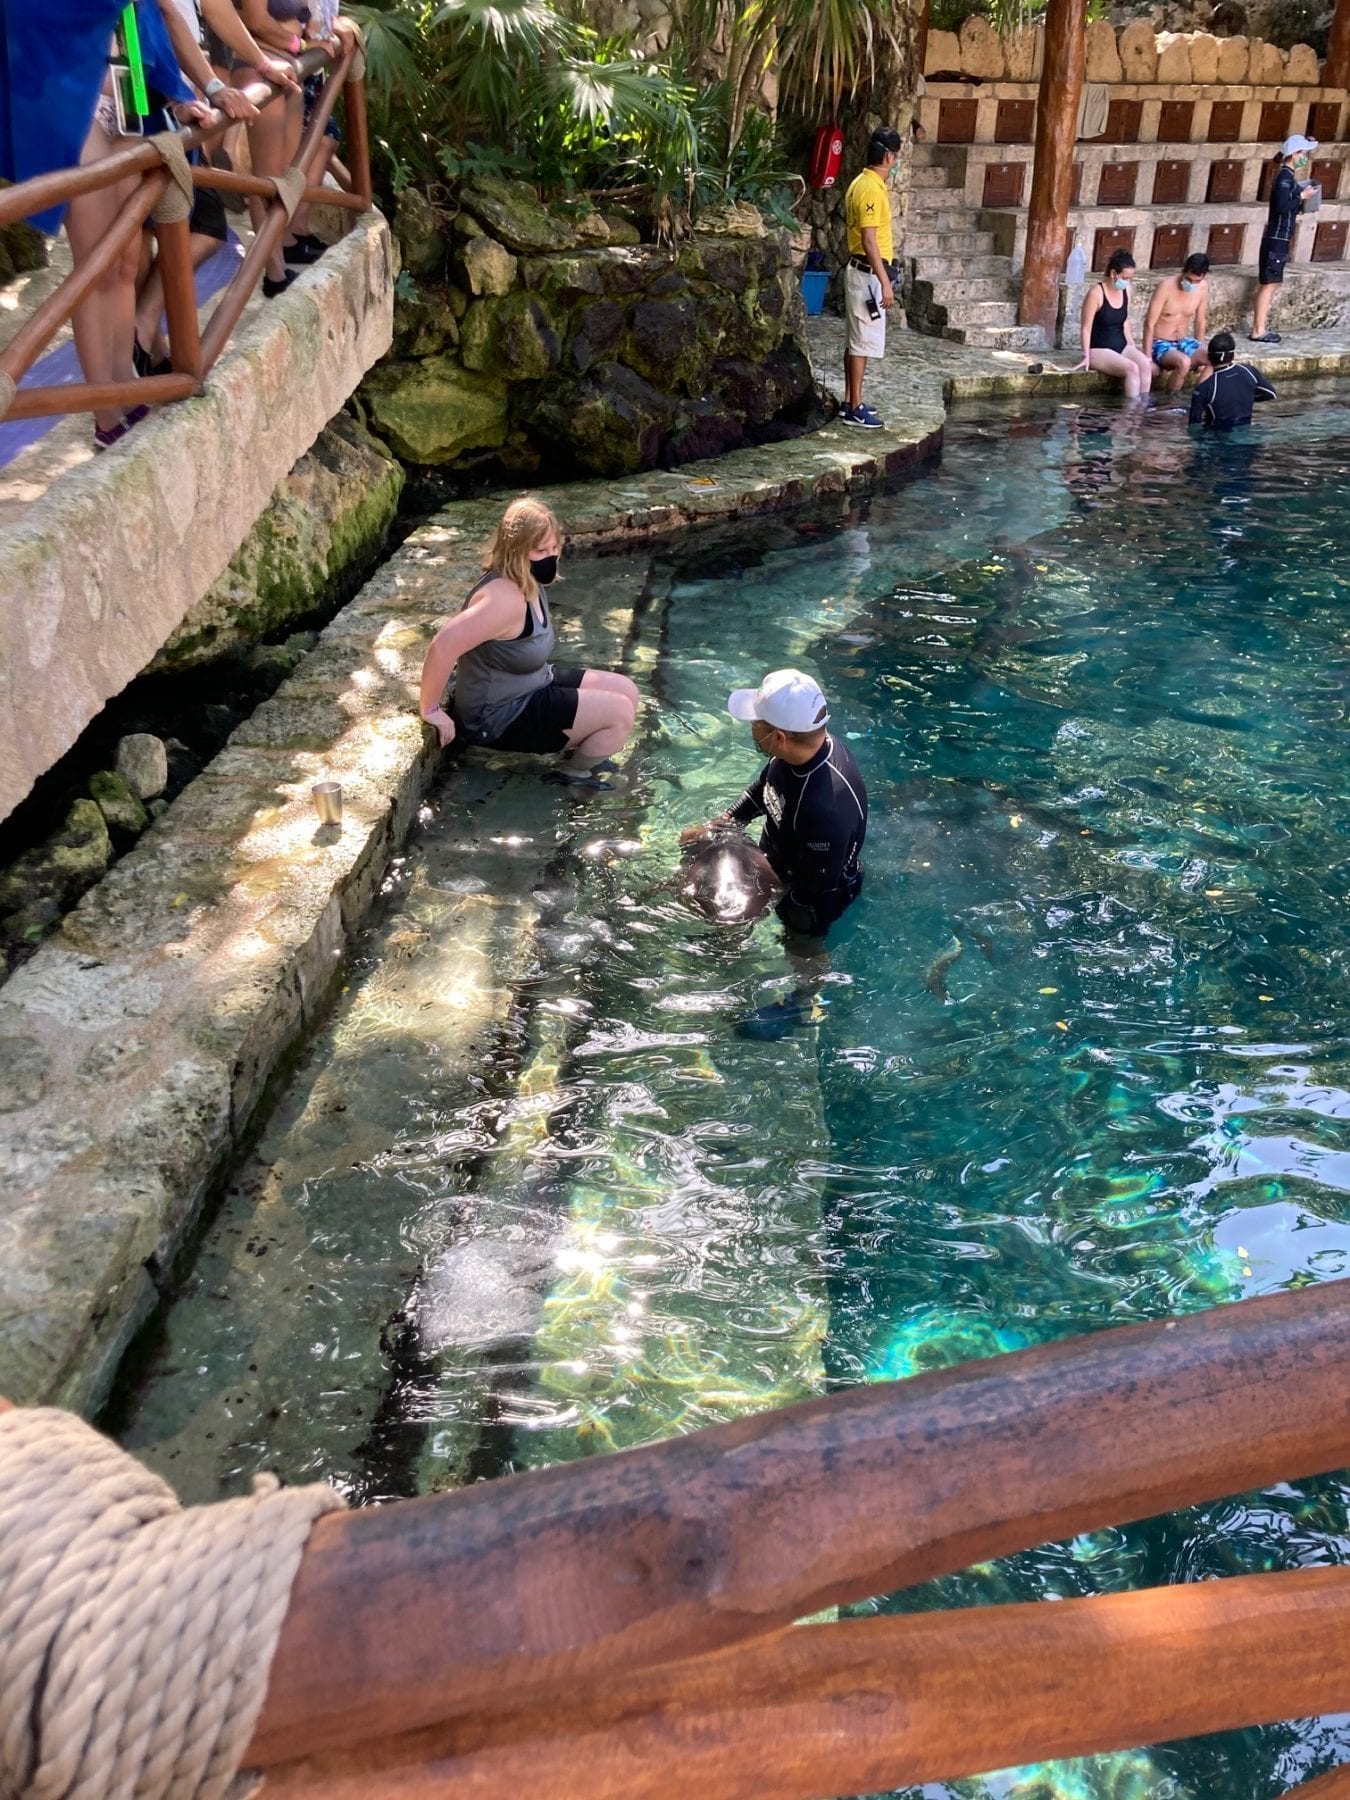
[(1187, 347)]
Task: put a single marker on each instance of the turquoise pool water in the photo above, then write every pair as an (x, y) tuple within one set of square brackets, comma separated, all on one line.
[(1079, 1056)]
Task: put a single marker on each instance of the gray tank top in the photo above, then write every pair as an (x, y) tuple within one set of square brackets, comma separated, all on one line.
[(494, 680)]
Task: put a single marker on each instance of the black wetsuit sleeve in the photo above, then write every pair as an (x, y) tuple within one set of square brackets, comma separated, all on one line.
[(751, 803), (1261, 390), (1200, 398)]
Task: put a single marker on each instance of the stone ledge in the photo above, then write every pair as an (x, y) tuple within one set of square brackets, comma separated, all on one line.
[(110, 560)]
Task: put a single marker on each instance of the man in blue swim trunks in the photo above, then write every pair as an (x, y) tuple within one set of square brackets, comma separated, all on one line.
[(1177, 322)]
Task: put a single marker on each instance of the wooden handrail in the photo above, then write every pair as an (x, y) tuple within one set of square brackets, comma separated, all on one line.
[(574, 1578), (192, 353), (867, 1705)]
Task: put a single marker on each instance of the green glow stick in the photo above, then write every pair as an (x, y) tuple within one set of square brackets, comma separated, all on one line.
[(131, 39)]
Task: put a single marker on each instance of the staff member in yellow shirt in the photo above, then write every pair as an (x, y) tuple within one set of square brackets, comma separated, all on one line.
[(868, 293)]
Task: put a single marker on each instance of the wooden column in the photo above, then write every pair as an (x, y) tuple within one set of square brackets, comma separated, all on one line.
[(1052, 175), (1336, 73), (925, 14)]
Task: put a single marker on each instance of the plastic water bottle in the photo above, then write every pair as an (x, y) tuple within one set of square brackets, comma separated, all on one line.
[(1076, 267)]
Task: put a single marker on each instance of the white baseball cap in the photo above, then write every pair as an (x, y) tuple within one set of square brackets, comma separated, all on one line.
[(787, 700), (1292, 145)]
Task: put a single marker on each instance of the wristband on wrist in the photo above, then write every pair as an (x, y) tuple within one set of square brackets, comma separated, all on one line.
[(213, 87)]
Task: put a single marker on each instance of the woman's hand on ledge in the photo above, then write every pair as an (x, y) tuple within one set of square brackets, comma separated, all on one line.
[(441, 722)]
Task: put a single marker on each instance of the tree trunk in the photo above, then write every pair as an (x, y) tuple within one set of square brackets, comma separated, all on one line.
[(1336, 74), (1052, 176)]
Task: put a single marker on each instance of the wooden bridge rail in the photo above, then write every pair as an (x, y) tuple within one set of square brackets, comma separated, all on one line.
[(602, 1625), (192, 353)]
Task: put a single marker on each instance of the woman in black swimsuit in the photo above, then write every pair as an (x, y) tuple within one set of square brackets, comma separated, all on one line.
[(1108, 341), (508, 695)]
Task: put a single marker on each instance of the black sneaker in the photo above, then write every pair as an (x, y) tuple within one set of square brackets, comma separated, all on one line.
[(306, 249), (272, 288), (1266, 337)]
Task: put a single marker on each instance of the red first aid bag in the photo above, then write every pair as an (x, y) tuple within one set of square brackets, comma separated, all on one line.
[(826, 156)]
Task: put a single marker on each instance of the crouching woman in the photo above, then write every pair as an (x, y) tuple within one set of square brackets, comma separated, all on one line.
[(507, 694)]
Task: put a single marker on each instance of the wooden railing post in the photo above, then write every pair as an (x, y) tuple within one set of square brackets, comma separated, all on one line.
[(180, 297), (358, 137), (1052, 172)]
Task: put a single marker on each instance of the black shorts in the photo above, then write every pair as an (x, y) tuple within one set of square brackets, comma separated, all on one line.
[(542, 724), (207, 218), (1274, 255)]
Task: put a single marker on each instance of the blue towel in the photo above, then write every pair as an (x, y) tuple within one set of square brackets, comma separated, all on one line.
[(51, 70)]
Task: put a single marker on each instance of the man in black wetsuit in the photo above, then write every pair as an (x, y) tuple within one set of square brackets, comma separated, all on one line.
[(1287, 195), (1226, 395), (810, 795)]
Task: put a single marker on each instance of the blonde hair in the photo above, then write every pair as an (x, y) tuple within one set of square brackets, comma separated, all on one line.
[(524, 526)]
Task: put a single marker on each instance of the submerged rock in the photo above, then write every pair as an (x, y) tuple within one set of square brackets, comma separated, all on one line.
[(48, 879), (143, 763)]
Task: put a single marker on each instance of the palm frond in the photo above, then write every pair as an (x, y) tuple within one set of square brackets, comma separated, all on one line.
[(394, 38)]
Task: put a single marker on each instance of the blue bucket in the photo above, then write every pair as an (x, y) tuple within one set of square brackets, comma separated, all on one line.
[(814, 284)]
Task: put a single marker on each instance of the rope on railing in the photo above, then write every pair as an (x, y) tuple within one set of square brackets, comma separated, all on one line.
[(8, 389), (175, 203), (136, 1638), (290, 187)]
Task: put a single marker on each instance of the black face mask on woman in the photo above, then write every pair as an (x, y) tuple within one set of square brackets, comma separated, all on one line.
[(544, 569)]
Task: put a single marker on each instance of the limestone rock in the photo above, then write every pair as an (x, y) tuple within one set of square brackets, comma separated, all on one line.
[(489, 266), (1203, 50), (611, 422), (592, 229), (333, 509), (1265, 65), (662, 344), (427, 324), (21, 247), (1234, 58), (46, 880), (1302, 68), (1103, 60), (738, 219), (1174, 59), (981, 50), (944, 53), (435, 410), (621, 230), (24, 1066), (1137, 48), (143, 763), (511, 211), (703, 428), (563, 280), (1025, 53), (596, 333), (420, 232), (511, 338), (118, 804)]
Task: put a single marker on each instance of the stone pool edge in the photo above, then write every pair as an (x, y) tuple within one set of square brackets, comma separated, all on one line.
[(138, 1044)]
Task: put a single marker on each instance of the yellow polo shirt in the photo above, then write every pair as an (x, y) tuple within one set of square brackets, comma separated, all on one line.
[(867, 205)]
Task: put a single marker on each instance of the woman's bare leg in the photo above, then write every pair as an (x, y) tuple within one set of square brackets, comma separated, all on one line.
[(1111, 362), (104, 323), (604, 720)]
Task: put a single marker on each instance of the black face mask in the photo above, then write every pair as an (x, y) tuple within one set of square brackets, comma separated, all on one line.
[(544, 569)]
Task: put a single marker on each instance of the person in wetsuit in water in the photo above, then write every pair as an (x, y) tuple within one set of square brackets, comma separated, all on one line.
[(1108, 341), (810, 795), (1225, 398)]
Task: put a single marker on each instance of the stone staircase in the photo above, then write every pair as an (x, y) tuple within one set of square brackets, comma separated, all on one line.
[(959, 286)]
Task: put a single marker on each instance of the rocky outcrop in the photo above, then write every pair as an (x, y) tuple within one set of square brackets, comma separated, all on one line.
[(21, 248), (330, 514), (588, 353)]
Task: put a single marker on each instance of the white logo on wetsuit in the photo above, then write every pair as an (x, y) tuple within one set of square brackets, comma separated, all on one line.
[(773, 804)]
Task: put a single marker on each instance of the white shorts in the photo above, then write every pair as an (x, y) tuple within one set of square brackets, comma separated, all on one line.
[(866, 335)]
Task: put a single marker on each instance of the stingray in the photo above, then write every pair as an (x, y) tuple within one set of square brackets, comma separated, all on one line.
[(725, 879)]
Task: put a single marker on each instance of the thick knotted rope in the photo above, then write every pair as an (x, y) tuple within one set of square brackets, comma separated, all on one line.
[(8, 390), (357, 72), (175, 202), (290, 188), (136, 1638)]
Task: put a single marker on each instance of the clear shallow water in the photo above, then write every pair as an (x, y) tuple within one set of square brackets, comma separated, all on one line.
[(530, 1195)]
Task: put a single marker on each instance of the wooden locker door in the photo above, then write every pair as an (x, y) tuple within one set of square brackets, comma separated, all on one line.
[(1269, 169), (1276, 118), (1171, 183), (1117, 184), (1015, 122), (1329, 244), (1324, 116), (1124, 120), (956, 121), (1329, 174), (1108, 240), (1225, 244), (1225, 183), (1175, 120), (1225, 122), (1003, 184), (1171, 246)]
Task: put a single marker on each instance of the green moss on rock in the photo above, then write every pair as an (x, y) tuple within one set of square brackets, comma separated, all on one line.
[(511, 338), (511, 212), (119, 806), (433, 411)]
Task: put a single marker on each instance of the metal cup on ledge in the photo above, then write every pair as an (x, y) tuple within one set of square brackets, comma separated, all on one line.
[(328, 802)]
